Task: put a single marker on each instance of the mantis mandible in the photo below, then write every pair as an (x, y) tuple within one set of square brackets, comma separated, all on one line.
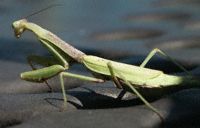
[(124, 76)]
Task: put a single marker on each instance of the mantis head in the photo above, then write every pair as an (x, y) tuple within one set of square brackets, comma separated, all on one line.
[(19, 27)]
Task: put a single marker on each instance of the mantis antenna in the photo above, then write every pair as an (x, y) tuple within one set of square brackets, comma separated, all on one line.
[(42, 10)]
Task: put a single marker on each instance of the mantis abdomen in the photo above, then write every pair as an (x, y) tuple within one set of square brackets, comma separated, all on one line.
[(141, 77)]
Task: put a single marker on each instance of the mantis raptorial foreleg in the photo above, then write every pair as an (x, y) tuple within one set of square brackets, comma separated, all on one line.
[(55, 53), (156, 50), (43, 61), (112, 72)]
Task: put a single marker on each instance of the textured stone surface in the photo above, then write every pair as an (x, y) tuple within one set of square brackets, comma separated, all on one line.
[(34, 111)]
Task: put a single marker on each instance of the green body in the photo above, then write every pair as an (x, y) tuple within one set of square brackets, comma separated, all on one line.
[(122, 74), (138, 76)]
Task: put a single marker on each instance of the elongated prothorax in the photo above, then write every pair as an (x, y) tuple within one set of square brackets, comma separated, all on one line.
[(21, 25)]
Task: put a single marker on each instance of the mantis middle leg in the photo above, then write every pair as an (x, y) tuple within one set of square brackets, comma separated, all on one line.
[(81, 77)]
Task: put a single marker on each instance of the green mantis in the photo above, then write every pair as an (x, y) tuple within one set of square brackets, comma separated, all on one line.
[(125, 76)]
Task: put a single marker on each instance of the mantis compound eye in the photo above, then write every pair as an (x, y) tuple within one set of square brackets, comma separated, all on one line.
[(18, 27)]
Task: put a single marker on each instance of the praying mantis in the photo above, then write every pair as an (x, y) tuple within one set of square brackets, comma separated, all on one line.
[(125, 76)]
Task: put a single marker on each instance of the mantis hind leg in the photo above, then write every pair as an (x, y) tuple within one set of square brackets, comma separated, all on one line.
[(156, 50), (117, 83), (43, 61), (133, 89)]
